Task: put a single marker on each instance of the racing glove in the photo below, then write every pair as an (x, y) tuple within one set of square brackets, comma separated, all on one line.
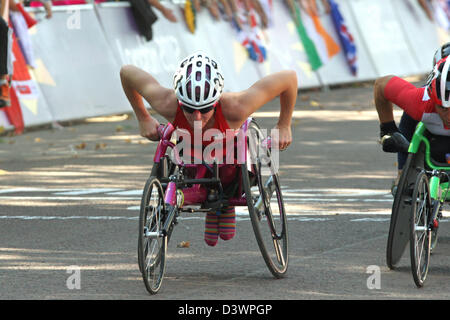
[(391, 139)]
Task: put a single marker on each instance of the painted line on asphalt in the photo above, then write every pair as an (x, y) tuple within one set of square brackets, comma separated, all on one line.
[(238, 218)]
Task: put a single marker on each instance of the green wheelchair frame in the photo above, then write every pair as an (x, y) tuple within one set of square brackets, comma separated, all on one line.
[(421, 193)]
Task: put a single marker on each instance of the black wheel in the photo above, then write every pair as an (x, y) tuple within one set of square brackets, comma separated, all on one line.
[(265, 204), (420, 235), (152, 242), (399, 230)]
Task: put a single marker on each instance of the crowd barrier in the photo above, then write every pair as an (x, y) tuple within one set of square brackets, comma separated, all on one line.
[(80, 50)]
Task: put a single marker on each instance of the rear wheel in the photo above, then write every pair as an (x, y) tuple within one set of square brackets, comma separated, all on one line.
[(265, 204), (152, 242), (420, 235)]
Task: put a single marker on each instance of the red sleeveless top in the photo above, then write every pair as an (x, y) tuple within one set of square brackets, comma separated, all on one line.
[(226, 173), (220, 122)]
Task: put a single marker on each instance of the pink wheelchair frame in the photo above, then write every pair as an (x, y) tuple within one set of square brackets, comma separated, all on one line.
[(197, 194)]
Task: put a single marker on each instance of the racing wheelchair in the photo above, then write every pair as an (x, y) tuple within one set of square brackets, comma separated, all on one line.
[(422, 191), (175, 187)]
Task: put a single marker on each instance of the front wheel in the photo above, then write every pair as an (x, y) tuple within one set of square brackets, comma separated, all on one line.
[(265, 205), (152, 240), (420, 236)]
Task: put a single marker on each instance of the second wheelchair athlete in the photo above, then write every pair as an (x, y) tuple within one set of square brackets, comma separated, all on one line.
[(430, 104)]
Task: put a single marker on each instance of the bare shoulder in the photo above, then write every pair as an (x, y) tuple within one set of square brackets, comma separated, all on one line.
[(161, 99), (232, 109), (381, 83), (168, 106)]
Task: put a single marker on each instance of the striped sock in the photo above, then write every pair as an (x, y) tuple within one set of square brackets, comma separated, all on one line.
[(227, 223), (211, 229)]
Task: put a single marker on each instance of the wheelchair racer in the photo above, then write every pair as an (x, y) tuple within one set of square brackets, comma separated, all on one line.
[(198, 97), (408, 125), (430, 104)]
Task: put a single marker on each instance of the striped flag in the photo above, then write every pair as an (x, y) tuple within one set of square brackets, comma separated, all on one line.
[(308, 44), (345, 37), (319, 45), (325, 45)]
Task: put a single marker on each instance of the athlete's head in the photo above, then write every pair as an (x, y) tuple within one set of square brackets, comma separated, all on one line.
[(441, 53), (439, 89), (198, 85)]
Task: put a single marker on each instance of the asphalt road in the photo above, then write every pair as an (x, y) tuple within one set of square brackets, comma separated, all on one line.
[(69, 214)]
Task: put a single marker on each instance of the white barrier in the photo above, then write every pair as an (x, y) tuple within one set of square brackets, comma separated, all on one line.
[(80, 51)]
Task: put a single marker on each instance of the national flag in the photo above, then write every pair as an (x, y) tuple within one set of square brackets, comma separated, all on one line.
[(325, 45), (308, 44), (345, 37)]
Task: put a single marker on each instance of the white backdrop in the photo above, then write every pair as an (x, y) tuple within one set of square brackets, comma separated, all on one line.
[(78, 69)]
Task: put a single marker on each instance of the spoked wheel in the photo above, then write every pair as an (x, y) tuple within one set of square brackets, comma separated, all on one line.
[(420, 236), (399, 230), (265, 204), (152, 242)]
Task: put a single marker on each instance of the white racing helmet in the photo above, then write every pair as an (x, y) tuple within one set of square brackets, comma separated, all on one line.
[(439, 83), (198, 82)]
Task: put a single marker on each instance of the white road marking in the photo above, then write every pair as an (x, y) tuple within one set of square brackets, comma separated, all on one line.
[(127, 193), (67, 198), (86, 191), (291, 197), (238, 218)]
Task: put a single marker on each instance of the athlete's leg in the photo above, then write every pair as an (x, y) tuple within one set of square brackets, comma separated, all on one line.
[(211, 228), (439, 147), (407, 127), (227, 223)]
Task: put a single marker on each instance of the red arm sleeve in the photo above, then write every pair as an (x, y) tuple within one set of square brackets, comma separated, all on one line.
[(406, 96)]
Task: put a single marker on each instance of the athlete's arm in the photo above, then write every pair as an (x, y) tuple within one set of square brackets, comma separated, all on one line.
[(383, 106), (390, 90), (136, 84), (282, 84)]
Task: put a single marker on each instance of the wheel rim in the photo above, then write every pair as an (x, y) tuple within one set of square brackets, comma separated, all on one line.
[(269, 218), (153, 242), (420, 231)]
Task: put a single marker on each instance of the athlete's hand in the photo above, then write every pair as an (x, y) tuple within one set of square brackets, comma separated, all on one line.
[(284, 137), (149, 129), (391, 139)]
